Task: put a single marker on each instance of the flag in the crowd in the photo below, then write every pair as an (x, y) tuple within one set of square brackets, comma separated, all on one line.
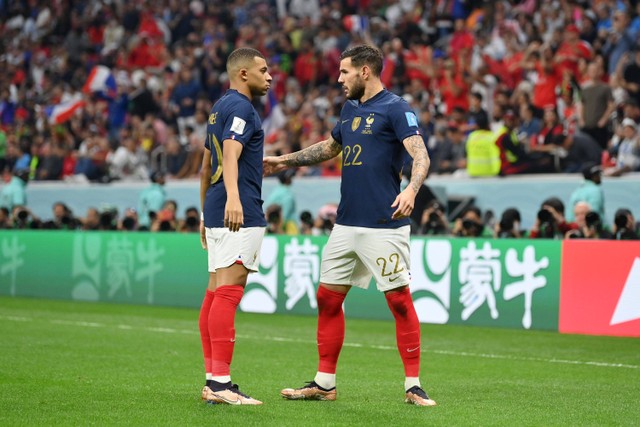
[(60, 113), (356, 23), (102, 82)]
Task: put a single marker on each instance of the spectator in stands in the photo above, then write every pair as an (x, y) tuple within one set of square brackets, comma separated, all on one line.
[(51, 163), (579, 149), (620, 40), (514, 159), (631, 74), (183, 98), (590, 191), (128, 162), (627, 151), (91, 163), (451, 155), (596, 106), (530, 126)]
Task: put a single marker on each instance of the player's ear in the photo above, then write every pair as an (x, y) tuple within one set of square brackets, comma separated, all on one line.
[(244, 74), (365, 71)]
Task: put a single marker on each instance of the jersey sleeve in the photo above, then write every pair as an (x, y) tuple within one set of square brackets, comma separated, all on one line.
[(336, 133), (239, 124), (403, 120)]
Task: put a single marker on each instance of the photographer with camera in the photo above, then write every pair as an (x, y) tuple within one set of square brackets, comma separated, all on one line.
[(625, 226), (470, 224), (434, 221), (593, 228), (63, 218), (550, 221), (191, 222), (509, 225), (275, 224), (23, 219)]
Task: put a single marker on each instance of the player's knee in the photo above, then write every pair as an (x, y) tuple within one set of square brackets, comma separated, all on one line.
[(329, 302)]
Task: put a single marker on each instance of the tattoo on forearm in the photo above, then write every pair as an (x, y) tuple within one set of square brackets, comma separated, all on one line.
[(416, 148), (314, 154)]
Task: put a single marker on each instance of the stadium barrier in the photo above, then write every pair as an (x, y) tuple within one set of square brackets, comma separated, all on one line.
[(527, 284)]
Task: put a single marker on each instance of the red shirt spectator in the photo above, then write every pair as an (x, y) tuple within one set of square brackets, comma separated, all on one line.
[(571, 51), (453, 88), (544, 90)]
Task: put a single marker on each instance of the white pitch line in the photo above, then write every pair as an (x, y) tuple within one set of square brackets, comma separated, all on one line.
[(346, 344)]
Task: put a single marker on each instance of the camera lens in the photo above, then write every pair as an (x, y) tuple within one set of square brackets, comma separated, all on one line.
[(621, 220), (191, 221), (544, 216)]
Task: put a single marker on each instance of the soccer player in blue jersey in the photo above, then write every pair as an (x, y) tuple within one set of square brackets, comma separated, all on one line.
[(371, 235), (232, 224)]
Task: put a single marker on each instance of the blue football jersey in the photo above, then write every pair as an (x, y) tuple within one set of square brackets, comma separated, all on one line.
[(233, 117), (371, 136)]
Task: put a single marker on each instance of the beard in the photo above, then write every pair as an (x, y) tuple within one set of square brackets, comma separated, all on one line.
[(356, 91)]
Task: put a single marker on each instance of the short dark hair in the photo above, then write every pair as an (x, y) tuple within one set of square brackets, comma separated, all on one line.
[(242, 57), (365, 55), (555, 203)]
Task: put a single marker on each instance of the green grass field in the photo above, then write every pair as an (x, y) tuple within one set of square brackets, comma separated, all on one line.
[(65, 363)]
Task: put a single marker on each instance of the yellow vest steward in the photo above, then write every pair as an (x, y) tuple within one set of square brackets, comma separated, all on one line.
[(483, 155)]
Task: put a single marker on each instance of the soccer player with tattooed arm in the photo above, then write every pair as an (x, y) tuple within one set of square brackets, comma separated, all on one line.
[(371, 236), (232, 224)]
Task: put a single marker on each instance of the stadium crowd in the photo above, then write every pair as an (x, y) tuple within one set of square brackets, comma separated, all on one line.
[(499, 87)]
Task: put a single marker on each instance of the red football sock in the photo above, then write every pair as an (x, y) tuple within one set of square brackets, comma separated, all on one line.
[(203, 322), (330, 328), (407, 330), (221, 327)]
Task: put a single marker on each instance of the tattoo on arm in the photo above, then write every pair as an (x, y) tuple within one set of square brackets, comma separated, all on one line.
[(317, 153), (416, 148)]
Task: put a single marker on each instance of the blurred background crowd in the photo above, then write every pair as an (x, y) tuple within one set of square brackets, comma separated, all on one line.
[(103, 91)]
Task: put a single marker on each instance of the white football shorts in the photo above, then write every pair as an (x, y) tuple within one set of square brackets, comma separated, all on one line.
[(226, 248), (355, 254)]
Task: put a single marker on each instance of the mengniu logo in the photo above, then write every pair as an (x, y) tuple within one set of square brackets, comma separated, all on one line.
[(600, 288)]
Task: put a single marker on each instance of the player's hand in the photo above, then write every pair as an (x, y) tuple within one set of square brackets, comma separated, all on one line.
[(404, 203), (272, 165), (233, 216), (203, 235)]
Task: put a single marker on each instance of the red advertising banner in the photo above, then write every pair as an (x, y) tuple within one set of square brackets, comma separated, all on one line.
[(600, 288)]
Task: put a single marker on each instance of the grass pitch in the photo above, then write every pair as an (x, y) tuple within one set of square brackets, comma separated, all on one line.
[(65, 363)]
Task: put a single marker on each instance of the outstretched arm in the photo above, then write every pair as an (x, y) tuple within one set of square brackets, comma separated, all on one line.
[(317, 153), (406, 199)]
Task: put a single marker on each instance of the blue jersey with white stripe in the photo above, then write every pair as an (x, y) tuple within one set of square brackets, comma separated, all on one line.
[(233, 117), (371, 135)]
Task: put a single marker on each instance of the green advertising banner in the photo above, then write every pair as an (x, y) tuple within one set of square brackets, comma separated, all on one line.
[(507, 283)]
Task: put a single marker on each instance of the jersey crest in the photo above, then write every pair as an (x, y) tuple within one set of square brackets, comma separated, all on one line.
[(355, 123)]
